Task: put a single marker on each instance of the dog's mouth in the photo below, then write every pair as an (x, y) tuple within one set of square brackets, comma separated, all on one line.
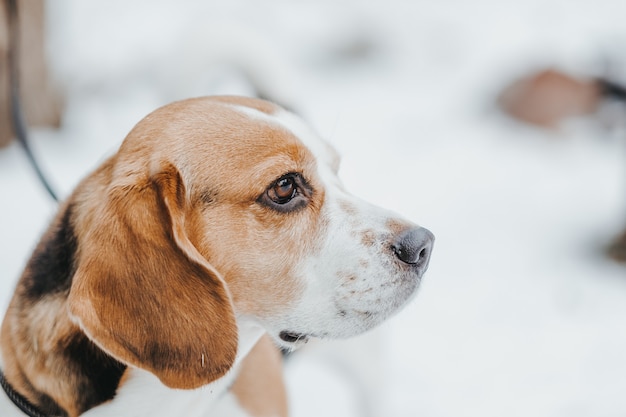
[(293, 337)]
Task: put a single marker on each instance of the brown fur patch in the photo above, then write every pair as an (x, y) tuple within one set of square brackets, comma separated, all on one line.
[(266, 396), (396, 227), (348, 207), (368, 238)]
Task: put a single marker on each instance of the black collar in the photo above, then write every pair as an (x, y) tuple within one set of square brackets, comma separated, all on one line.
[(22, 403)]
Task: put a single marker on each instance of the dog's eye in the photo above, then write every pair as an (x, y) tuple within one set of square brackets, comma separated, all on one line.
[(283, 190), (288, 193)]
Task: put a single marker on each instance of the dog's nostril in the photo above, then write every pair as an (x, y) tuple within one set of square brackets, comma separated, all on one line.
[(413, 246)]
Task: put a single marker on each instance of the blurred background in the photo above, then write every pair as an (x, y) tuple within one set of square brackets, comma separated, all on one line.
[(521, 312)]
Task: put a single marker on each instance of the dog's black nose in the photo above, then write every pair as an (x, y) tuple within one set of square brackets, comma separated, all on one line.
[(413, 246)]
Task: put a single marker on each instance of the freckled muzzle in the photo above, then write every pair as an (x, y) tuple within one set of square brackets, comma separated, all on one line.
[(413, 247)]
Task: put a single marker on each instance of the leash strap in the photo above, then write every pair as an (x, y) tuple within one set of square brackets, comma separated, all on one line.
[(612, 90), (20, 402), (17, 115)]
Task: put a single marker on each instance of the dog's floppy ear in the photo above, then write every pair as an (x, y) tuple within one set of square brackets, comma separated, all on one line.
[(144, 294)]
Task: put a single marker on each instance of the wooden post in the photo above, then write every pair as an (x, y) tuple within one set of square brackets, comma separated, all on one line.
[(41, 104)]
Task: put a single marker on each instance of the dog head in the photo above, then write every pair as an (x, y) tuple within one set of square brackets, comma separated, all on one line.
[(221, 207)]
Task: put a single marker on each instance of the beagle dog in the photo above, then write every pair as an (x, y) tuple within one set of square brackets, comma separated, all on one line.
[(218, 232)]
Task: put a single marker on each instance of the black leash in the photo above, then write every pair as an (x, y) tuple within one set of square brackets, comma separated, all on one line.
[(17, 115), (610, 89), (20, 402), (19, 127)]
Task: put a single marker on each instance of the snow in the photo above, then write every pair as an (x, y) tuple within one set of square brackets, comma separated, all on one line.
[(520, 312)]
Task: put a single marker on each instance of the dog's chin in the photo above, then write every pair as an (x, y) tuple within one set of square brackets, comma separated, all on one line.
[(347, 321), (291, 340)]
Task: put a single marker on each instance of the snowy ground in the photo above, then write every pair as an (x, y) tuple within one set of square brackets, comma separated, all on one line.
[(520, 314)]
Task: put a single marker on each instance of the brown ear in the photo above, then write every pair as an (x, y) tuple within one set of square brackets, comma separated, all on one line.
[(144, 294)]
